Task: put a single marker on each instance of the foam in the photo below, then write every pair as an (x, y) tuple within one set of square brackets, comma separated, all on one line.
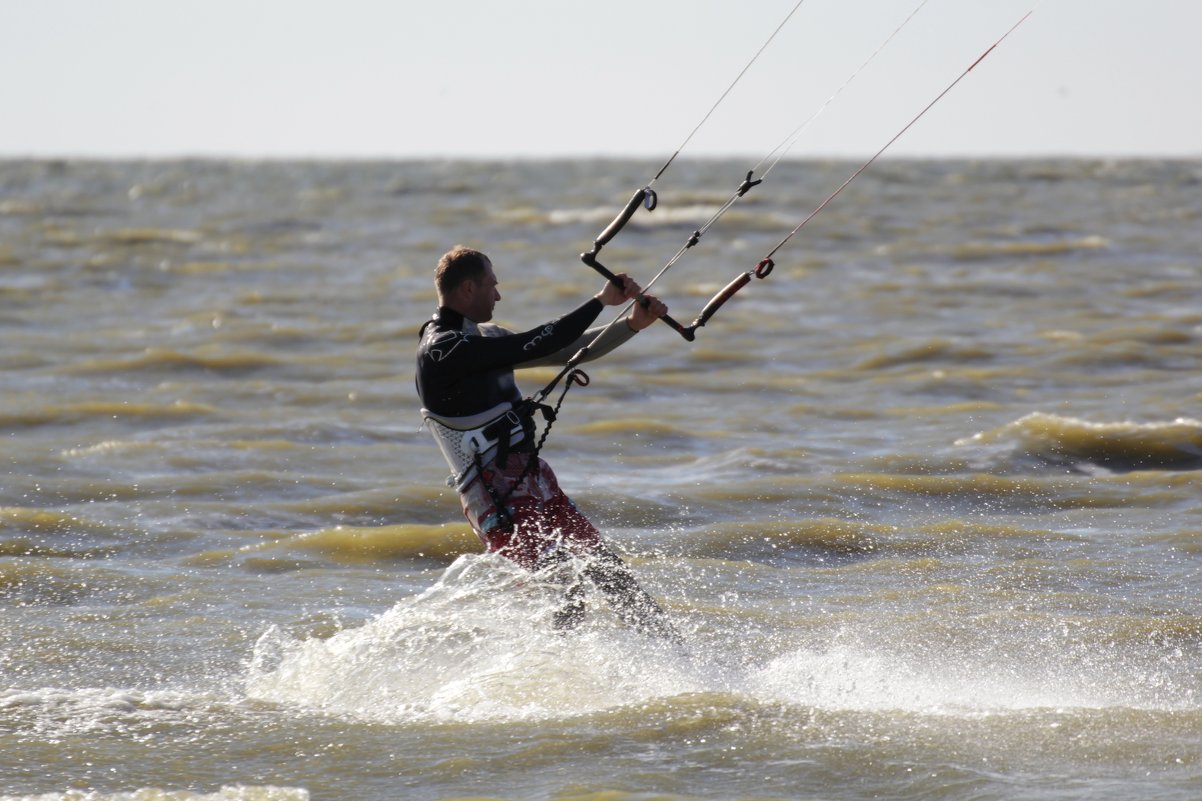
[(476, 648)]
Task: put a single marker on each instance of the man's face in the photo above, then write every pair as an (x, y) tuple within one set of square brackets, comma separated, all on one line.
[(483, 295)]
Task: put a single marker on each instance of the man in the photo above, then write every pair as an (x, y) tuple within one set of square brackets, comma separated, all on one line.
[(472, 405)]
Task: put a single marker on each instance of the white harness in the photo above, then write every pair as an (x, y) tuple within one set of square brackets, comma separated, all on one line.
[(464, 443)]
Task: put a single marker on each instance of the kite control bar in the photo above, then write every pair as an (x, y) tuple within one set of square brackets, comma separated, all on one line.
[(648, 199), (591, 260)]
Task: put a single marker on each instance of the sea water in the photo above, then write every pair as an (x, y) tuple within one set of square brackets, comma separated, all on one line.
[(923, 502)]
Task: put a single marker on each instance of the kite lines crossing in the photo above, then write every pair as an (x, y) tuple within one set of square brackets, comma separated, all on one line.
[(647, 197)]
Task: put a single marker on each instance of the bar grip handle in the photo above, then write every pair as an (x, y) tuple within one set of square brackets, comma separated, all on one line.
[(644, 196), (726, 294)]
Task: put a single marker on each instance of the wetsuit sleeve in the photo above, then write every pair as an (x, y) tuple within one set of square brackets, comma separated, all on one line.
[(617, 334), (475, 353)]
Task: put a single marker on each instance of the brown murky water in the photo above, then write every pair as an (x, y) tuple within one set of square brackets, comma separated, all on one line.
[(925, 500)]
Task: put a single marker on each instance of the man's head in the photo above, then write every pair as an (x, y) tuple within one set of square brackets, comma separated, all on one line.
[(466, 283)]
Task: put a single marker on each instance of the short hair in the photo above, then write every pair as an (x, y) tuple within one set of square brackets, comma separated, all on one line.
[(457, 265)]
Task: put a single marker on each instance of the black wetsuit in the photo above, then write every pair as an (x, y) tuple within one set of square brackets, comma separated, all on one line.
[(464, 369)]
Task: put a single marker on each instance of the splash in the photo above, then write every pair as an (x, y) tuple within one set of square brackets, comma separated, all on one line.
[(477, 647), (471, 648), (58, 712), (855, 678)]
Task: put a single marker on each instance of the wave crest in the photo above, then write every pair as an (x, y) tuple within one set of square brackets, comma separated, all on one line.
[(1118, 446)]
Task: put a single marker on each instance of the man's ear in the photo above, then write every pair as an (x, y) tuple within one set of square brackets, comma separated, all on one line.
[(461, 293)]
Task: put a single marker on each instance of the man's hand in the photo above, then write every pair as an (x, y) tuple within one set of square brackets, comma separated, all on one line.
[(641, 317), (611, 295)]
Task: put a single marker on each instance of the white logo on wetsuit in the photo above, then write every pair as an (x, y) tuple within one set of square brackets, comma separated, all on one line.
[(546, 332), (455, 339)]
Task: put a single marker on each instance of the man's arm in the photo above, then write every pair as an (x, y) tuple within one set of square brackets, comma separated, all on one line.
[(611, 338), (471, 353), (617, 335)]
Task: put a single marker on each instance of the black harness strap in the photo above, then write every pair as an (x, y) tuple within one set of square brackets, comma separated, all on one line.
[(525, 410)]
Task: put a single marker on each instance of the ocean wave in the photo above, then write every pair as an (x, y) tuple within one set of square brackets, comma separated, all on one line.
[(981, 251), (171, 360), (216, 267), (979, 487), (47, 521), (635, 427), (48, 534), (27, 547), (108, 448), (359, 545), (21, 208), (1116, 446), (87, 411), (931, 351), (775, 541), (839, 541), (685, 216), (233, 792), (417, 504), (152, 236)]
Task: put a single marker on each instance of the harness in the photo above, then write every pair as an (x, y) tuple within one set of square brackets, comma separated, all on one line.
[(502, 434)]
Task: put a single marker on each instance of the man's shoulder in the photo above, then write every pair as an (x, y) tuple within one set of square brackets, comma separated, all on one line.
[(434, 332), (493, 330), (439, 341)]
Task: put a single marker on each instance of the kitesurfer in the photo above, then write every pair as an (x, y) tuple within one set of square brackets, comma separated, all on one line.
[(486, 430)]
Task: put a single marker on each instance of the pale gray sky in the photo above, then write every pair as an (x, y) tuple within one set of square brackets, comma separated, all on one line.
[(476, 78)]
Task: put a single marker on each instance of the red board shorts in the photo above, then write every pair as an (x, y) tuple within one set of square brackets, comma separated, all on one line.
[(545, 521)]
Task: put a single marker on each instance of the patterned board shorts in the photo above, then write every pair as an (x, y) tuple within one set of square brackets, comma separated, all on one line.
[(546, 523)]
